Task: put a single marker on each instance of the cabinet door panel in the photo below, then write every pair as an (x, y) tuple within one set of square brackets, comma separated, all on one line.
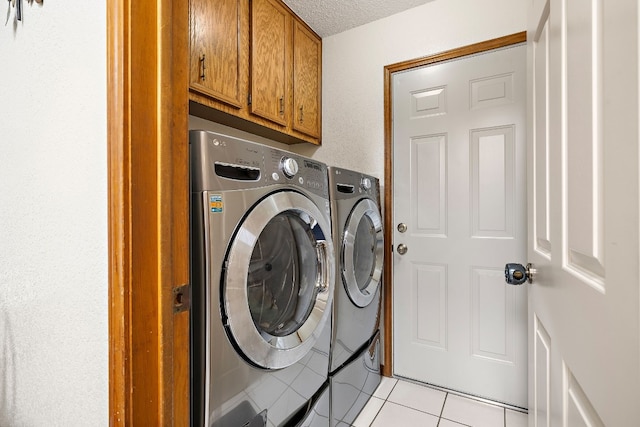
[(307, 63), (270, 69), (215, 49)]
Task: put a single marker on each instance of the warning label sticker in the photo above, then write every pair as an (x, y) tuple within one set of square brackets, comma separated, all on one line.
[(215, 203)]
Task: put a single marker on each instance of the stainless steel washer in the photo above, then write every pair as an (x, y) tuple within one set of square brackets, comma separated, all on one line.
[(357, 230), (355, 343), (263, 275)]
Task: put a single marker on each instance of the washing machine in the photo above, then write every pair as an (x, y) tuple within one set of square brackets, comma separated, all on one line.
[(355, 344), (263, 272)]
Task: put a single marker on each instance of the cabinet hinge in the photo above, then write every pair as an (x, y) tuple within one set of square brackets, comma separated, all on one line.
[(249, 99), (182, 298)]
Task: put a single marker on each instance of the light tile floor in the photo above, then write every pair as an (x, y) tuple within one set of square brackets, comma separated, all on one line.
[(403, 403)]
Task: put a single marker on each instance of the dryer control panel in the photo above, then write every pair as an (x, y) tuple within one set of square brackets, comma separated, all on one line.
[(351, 184)]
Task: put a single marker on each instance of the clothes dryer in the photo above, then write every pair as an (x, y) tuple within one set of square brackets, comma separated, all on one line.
[(263, 276), (355, 344)]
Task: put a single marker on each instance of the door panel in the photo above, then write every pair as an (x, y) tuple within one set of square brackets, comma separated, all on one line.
[(493, 315), (579, 411), (542, 371), (215, 49), (492, 181), (459, 185), (428, 173), (583, 162), (270, 51), (430, 309), (540, 155), (307, 65), (584, 302)]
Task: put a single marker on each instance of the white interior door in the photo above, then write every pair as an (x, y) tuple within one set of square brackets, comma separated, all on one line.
[(583, 212), (459, 174)]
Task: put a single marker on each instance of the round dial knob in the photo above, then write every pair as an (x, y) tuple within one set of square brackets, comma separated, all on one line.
[(365, 183), (289, 167)]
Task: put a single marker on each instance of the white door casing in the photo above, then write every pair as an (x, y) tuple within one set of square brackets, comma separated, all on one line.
[(584, 303), (459, 184)]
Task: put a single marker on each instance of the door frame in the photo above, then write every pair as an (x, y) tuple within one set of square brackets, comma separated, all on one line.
[(148, 205), (516, 38)]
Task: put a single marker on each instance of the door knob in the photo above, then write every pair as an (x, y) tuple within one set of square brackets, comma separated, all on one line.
[(517, 274), (402, 249)]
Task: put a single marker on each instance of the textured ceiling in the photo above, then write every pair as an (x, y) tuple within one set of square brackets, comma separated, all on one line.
[(329, 17)]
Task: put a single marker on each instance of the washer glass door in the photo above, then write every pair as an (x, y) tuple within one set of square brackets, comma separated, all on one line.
[(362, 253), (279, 280)]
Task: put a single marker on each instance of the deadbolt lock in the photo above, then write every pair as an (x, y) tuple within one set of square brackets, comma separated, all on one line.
[(517, 274), (402, 227)]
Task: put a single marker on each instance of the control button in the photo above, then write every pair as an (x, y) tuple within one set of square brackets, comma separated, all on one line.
[(275, 176), (301, 180), (365, 183), (289, 166)]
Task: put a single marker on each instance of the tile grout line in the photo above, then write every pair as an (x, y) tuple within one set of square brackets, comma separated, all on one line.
[(444, 403), (413, 409), (410, 407), (442, 409), (480, 399), (377, 413), (446, 397), (448, 419), (383, 403)]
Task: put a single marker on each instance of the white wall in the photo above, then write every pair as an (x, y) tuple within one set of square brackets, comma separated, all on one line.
[(53, 216), (354, 61)]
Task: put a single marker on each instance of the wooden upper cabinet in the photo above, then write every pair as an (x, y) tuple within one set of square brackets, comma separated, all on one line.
[(270, 63), (255, 66), (307, 65), (215, 49)]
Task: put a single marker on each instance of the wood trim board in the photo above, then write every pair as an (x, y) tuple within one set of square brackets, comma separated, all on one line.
[(148, 202)]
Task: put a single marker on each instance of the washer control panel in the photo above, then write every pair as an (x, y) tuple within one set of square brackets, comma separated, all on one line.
[(229, 163), (299, 171)]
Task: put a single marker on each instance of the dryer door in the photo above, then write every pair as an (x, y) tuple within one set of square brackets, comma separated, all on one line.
[(278, 283), (362, 252)]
